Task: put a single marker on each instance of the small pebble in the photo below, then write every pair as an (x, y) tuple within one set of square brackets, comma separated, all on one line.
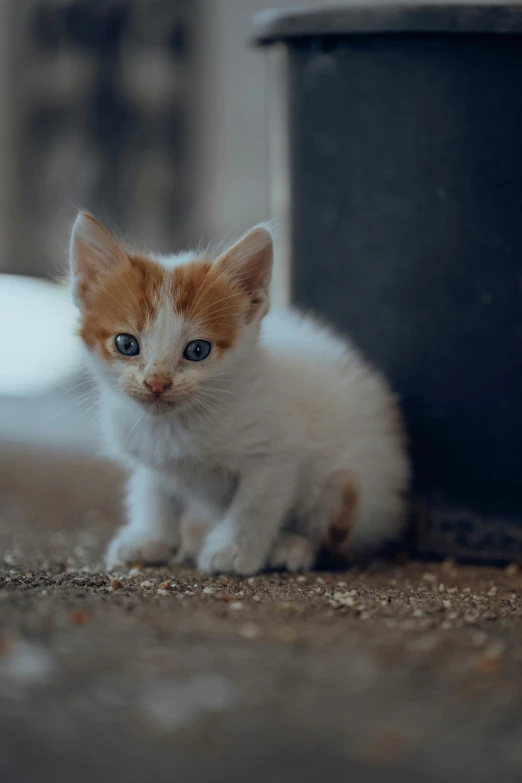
[(479, 638), (424, 643), (208, 590), (116, 584), (79, 617), (495, 649), (287, 634), (162, 591), (146, 584), (286, 606), (249, 631), (490, 661), (165, 585), (344, 600), (236, 606), (448, 565)]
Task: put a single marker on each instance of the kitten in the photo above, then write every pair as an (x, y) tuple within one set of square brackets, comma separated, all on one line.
[(268, 435)]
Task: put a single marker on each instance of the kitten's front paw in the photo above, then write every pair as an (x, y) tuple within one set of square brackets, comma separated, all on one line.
[(130, 546), (219, 556), (293, 552)]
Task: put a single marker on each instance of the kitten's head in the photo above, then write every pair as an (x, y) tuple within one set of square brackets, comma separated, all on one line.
[(162, 330)]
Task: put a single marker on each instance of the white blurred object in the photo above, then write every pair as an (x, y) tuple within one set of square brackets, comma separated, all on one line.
[(171, 704), (38, 347)]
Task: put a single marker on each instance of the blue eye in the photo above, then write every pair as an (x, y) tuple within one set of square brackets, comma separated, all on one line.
[(197, 350), (127, 344)]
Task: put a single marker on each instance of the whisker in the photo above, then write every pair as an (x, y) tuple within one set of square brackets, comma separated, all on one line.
[(84, 412), (195, 410), (228, 391), (72, 403), (212, 410), (138, 419), (206, 395)]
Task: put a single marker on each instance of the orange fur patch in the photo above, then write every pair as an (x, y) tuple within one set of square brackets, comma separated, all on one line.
[(202, 293), (123, 301), (342, 520), (127, 298)]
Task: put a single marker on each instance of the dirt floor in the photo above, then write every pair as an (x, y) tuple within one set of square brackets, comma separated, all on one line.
[(404, 671)]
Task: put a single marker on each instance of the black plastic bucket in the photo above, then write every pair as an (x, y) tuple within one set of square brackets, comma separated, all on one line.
[(398, 178)]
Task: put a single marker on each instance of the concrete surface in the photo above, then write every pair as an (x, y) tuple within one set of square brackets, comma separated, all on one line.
[(406, 671)]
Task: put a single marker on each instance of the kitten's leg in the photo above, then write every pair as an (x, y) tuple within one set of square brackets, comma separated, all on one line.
[(327, 528), (192, 535), (152, 530), (241, 542), (294, 552)]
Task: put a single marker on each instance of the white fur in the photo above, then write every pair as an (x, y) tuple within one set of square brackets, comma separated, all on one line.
[(290, 405)]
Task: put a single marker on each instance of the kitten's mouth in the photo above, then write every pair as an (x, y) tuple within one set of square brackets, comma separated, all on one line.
[(158, 405)]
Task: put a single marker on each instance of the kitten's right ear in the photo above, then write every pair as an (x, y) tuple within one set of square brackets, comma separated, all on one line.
[(94, 252)]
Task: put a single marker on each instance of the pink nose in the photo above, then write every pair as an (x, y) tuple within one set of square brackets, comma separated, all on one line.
[(158, 385)]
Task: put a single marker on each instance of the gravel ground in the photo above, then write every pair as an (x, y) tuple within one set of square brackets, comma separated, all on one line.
[(401, 671)]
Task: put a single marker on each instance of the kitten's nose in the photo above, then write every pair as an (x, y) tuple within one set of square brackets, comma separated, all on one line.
[(157, 385)]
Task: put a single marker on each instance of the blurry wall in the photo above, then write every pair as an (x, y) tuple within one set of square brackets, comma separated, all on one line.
[(235, 185), (8, 196), (151, 113), (96, 110)]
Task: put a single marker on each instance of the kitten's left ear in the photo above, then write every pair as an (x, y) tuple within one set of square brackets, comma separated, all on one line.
[(94, 252), (248, 264)]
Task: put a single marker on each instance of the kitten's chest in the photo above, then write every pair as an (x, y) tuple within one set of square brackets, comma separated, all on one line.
[(151, 445), (197, 471), (157, 444)]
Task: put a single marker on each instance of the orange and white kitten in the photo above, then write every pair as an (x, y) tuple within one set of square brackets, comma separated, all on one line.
[(269, 430)]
